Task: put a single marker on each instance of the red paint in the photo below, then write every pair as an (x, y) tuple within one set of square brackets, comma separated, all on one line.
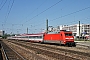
[(60, 37)]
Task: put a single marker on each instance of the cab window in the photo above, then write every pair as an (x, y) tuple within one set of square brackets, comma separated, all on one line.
[(68, 34)]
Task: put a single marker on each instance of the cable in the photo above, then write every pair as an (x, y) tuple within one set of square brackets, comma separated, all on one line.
[(30, 13), (67, 14), (44, 10), (3, 5), (9, 11), (72, 13), (36, 8)]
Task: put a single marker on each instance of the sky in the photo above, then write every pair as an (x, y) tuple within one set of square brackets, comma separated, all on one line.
[(18, 15)]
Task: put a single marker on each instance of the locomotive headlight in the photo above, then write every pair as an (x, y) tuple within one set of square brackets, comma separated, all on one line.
[(67, 38), (71, 38), (64, 41)]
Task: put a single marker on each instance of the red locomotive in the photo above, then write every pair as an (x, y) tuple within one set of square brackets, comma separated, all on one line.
[(63, 37)]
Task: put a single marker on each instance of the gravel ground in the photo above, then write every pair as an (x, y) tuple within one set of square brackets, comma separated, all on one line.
[(27, 53), (32, 55)]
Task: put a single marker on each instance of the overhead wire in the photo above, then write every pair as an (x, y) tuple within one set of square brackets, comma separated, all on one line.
[(76, 21), (72, 13), (6, 17), (44, 11), (55, 18), (9, 10), (3, 5), (37, 8), (30, 13), (68, 14)]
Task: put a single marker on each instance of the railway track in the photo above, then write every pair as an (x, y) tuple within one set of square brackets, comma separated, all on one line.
[(10, 54), (56, 53), (83, 46)]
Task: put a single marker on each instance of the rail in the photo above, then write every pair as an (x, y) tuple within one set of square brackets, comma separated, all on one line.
[(4, 53), (10, 54), (54, 52)]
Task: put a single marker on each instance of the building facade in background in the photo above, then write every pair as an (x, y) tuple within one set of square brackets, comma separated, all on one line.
[(84, 29), (2, 32)]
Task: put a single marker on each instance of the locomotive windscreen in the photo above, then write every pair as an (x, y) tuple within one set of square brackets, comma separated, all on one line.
[(68, 34)]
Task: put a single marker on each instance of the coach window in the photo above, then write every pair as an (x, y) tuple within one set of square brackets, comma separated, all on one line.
[(39, 36), (30, 36), (26, 37)]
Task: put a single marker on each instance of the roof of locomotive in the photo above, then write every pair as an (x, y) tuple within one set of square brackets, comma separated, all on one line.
[(56, 32)]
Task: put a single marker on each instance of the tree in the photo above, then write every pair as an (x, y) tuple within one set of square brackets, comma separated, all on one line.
[(5, 36)]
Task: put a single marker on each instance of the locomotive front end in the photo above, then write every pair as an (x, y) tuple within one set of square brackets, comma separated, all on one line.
[(69, 39)]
